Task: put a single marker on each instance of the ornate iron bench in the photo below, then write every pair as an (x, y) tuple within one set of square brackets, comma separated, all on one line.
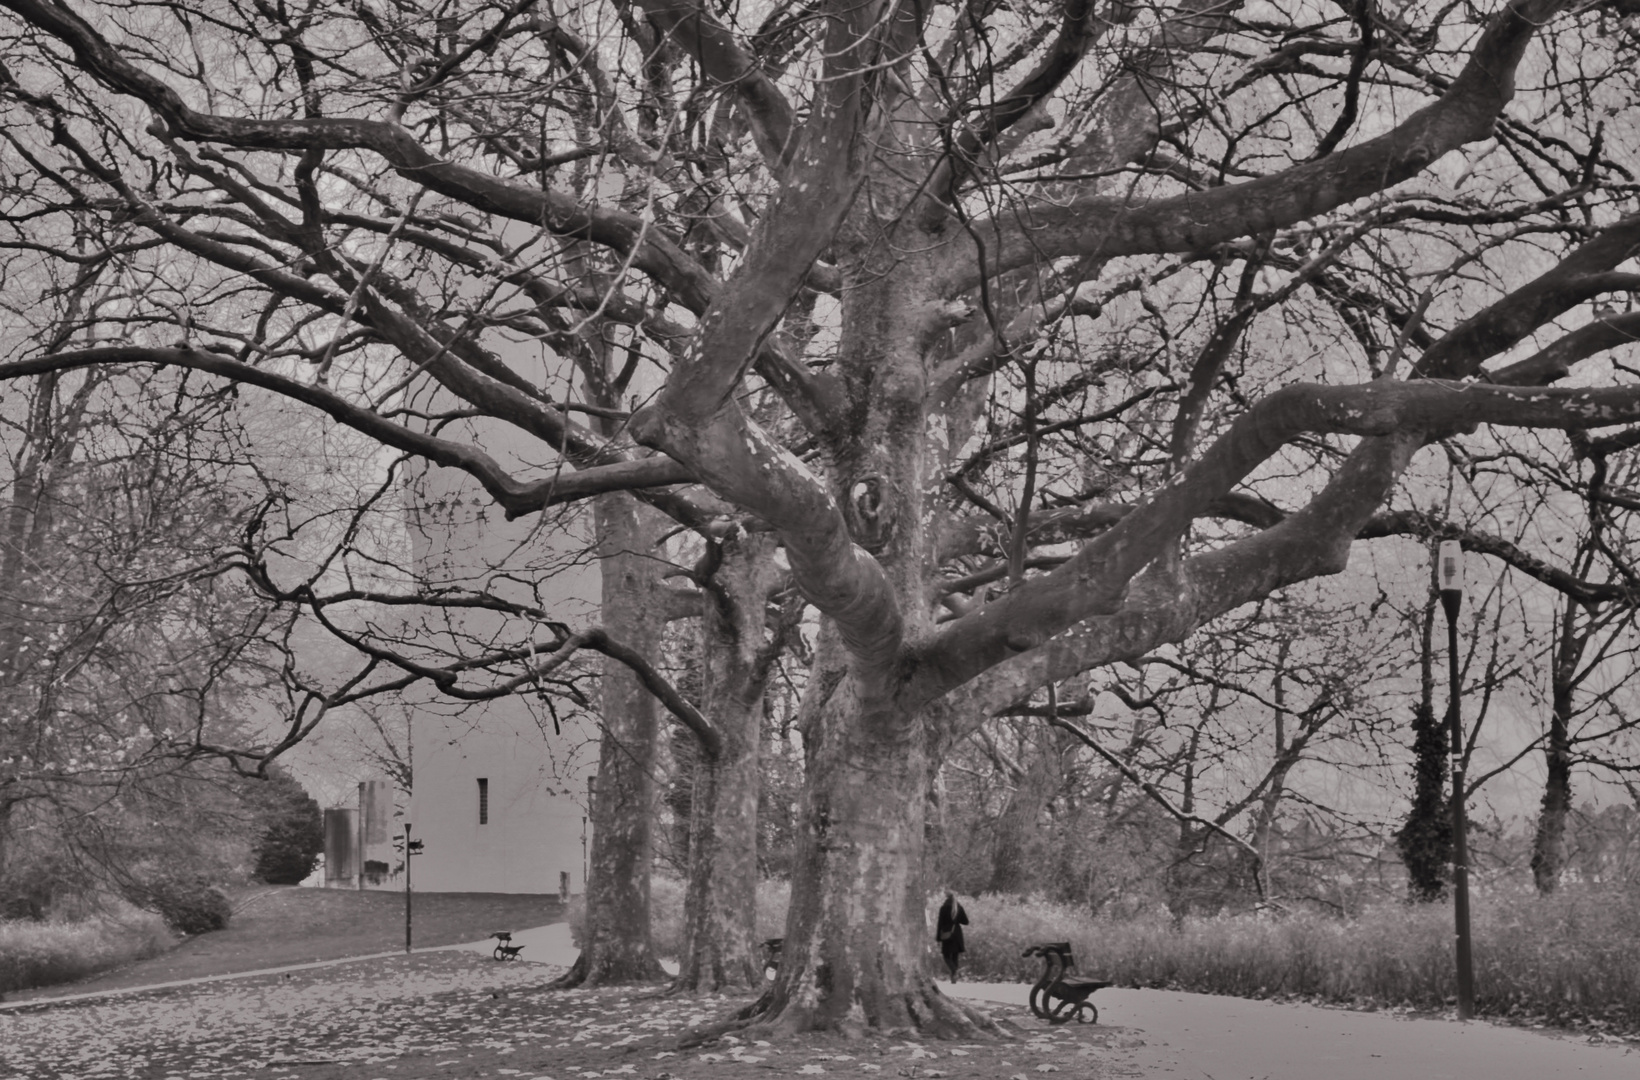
[(504, 948), (1056, 998)]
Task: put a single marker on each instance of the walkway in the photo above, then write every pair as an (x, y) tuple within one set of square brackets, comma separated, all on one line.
[(1203, 1037), (1178, 1036)]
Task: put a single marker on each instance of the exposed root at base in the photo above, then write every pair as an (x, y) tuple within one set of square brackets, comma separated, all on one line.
[(932, 1014), (743, 1017), (580, 976), (574, 977)]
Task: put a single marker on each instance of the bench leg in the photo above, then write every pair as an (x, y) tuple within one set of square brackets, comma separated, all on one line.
[(1085, 1012)]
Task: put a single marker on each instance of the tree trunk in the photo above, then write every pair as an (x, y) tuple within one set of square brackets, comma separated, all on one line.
[(616, 947), (720, 952), (1014, 855), (1425, 839), (1549, 842), (857, 933), (5, 842), (720, 908)]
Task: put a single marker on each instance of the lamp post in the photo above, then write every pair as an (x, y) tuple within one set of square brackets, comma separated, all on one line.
[(411, 847), (1450, 574)]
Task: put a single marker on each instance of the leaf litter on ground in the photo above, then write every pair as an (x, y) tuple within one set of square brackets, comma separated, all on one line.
[(447, 1015)]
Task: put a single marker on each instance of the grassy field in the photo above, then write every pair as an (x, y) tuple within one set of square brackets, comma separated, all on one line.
[(271, 927), (1572, 959)]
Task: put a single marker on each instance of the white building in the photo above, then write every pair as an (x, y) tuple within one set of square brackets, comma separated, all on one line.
[(500, 790), (500, 787), (499, 805)]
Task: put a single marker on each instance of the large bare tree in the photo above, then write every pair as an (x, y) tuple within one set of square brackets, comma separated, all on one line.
[(1038, 335)]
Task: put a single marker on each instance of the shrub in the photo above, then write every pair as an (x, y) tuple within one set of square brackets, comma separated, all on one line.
[(36, 954), (293, 831), (188, 905)]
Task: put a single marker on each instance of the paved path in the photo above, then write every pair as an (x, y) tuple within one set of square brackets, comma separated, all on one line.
[(1204, 1037)]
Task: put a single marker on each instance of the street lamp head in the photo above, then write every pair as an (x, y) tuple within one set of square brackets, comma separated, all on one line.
[(1449, 567)]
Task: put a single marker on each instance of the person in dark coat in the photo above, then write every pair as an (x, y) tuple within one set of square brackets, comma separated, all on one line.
[(948, 932)]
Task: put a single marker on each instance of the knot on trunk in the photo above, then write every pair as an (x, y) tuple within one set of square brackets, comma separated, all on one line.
[(871, 514)]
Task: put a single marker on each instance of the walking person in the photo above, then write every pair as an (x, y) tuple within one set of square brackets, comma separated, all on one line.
[(948, 932)]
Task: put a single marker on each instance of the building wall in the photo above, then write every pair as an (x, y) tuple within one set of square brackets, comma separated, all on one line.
[(536, 830), (341, 848), (377, 857), (537, 771)]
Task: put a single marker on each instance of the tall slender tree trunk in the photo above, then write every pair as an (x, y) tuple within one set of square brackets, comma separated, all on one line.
[(616, 947), (1014, 854), (5, 843), (720, 907), (1425, 838), (1549, 841)]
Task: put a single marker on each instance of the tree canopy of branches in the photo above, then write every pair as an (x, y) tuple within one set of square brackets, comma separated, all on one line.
[(128, 638), (1037, 335)]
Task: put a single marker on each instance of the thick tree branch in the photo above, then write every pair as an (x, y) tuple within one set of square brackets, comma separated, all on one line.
[(1419, 524), (742, 464), (1106, 227), (724, 63), (1584, 274), (563, 213), (1161, 608), (695, 420), (1095, 580), (515, 496), (1079, 29), (827, 170), (1555, 361)]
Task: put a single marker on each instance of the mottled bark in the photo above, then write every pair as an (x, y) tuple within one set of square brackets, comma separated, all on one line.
[(5, 841), (856, 933), (1109, 226), (856, 514), (616, 946), (720, 949)]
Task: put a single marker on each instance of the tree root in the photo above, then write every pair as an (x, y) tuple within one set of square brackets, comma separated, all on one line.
[(574, 977), (741, 1018), (931, 1013), (582, 976)]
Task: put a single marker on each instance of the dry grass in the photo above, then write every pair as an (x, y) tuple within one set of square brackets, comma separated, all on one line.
[(277, 926), (41, 954), (1573, 958)]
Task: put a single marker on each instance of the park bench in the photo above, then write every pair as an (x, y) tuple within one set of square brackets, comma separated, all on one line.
[(1055, 997), (504, 948)]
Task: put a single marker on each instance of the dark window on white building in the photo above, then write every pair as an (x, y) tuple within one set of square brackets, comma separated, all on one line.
[(483, 801)]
